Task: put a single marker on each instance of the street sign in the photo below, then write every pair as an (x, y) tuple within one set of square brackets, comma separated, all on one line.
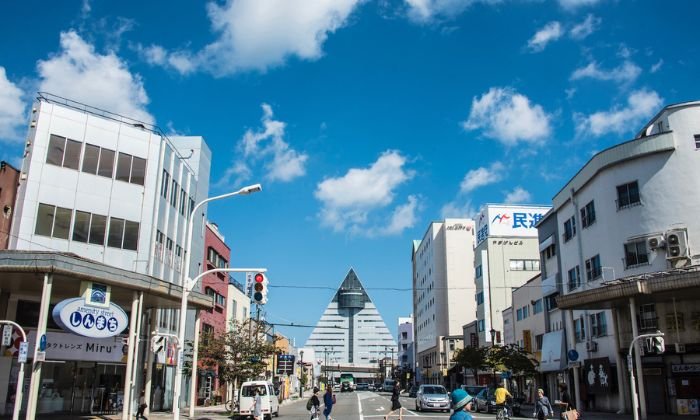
[(42, 343), (505, 375), (7, 335), (40, 356), (23, 350), (572, 355), (574, 365)]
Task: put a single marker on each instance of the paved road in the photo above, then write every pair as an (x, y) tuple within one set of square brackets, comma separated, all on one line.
[(367, 405)]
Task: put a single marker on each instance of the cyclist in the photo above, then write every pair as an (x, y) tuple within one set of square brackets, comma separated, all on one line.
[(500, 395)]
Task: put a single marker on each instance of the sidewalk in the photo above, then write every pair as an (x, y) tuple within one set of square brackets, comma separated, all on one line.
[(527, 409)]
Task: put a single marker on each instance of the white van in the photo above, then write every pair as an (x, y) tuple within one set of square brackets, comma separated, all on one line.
[(270, 403)]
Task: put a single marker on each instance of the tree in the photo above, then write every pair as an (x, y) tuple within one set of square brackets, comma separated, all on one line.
[(472, 358), (513, 358)]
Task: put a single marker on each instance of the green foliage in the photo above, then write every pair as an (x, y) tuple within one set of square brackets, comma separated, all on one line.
[(472, 358), (239, 354), (512, 358)]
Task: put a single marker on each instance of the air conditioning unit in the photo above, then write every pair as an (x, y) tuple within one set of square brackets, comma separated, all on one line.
[(676, 244), (680, 348), (656, 241), (591, 346)]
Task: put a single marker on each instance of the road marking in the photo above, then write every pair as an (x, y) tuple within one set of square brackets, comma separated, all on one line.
[(359, 404)]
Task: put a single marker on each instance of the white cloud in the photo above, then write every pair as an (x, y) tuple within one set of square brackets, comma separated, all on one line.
[(78, 72), (260, 34), (641, 104), (458, 210), (575, 4), (625, 73), (425, 11), (657, 66), (348, 200), (585, 28), (549, 32), (508, 117), (12, 116), (403, 217), (518, 195), (480, 177), (281, 162)]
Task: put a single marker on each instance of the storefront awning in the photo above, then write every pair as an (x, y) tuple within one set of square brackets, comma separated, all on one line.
[(21, 272), (552, 352)]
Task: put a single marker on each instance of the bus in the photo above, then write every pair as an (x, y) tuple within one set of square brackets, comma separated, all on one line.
[(347, 382)]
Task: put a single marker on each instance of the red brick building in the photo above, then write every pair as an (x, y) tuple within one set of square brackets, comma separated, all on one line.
[(9, 178), (217, 255)]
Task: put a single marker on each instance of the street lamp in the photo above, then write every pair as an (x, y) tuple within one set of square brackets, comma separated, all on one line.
[(493, 344), (187, 286)]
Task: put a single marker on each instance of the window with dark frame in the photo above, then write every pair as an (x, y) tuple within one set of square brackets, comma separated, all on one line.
[(593, 268), (627, 195), (697, 141), (636, 253), (53, 221), (98, 226), (173, 193), (588, 214), (116, 232), (165, 182), (579, 330), (574, 276), (569, 228), (106, 165), (123, 167), (90, 159)]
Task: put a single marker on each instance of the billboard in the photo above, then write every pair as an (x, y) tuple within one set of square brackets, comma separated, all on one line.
[(504, 220)]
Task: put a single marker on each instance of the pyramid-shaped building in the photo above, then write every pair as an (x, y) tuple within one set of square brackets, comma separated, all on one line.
[(351, 331)]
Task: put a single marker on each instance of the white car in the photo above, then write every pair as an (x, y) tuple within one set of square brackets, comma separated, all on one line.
[(432, 397), (270, 403)]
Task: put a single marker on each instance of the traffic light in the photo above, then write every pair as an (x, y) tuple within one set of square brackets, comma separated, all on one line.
[(657, 344), (260, 289), (158, 343)]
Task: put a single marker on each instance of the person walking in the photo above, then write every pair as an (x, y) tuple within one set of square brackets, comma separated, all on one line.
[(395, 403), (142, 406), (257, 405), (543, 408), (315, 404), (461, 404), (328, 401)]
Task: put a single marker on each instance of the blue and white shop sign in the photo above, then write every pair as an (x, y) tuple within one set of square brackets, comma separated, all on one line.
[(76, 316)]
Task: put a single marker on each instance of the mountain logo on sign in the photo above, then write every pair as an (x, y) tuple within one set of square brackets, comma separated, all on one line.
[(501, 218)]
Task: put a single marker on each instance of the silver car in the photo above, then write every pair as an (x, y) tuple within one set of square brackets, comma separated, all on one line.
[(432, 397)]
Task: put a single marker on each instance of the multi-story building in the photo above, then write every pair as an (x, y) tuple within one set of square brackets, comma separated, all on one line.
[(628, 227), (443, 281), (506, 256), (237, 303), (406, 358), (351, 330), (213, 322), (9, 180), (116, 193)]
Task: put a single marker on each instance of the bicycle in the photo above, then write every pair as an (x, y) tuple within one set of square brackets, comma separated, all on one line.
[(232, 406), (502, 412)]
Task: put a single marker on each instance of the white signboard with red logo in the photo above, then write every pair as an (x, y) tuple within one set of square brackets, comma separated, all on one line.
[(508, 221), (65, 346)]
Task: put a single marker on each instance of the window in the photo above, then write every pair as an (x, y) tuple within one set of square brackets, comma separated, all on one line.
[(480, 298), (116, 232), (183, 201), (537, 306), (91, 158), (526, 311), (588, 215), (519, 314), (697, 141), (81, 226), (404, 335), (636, 254), (131, 235), (215, 259), (131, 169), (173, 194), (64, 152), (164, 184), (160, 239), (550, 251), (569, 228), (539, 338), (579, 330), (138, 171), (481, 325), (178, 257), (599, 326), (168, 251), (574, 278), (53, 221), (550, 302), (524, 265), (647, 317), (627, 195), (123, 167), (191, 207), (98, 226), (593, 268), (106, 166), (477, 271), (675, 322)]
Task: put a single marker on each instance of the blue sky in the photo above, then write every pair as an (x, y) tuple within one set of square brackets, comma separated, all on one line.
[(363, 120)]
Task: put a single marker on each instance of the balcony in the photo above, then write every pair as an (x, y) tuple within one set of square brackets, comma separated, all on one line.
[(549, 285)]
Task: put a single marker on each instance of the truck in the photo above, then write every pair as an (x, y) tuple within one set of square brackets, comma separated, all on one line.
[(347, 382)]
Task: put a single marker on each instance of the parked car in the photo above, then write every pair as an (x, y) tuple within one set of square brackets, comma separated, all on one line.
[(362, 386), (486, 401), (432, 397), (413, 391), (388, 385), (473, 390), (336, 387)]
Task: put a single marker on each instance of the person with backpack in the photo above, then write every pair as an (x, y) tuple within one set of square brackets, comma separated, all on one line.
[(328, 401), (313, 404), (543, 408)]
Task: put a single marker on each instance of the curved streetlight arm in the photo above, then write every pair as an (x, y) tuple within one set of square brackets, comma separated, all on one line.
[(630, 367)]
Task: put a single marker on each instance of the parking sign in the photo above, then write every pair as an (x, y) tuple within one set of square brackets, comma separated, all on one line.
[(7, 335)]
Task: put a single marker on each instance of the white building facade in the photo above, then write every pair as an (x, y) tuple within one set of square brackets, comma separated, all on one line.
[(406, 355), (115, 191), (632, 210), (506, 257), (443, 284)]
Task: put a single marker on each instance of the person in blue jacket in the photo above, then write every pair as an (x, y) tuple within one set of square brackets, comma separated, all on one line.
[(328, 401), (461, 404)]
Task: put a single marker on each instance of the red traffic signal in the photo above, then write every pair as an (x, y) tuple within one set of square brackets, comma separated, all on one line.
[(260, 289)]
